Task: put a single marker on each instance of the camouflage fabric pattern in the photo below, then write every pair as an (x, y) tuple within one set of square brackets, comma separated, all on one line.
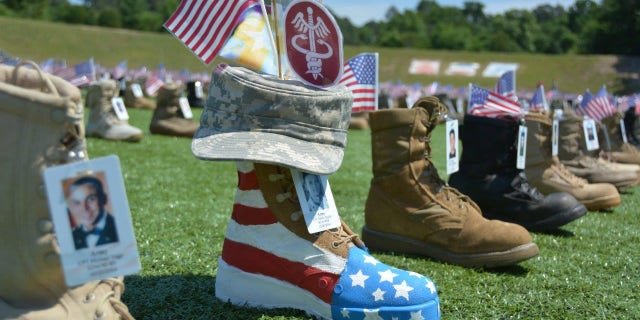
[(260, 118)]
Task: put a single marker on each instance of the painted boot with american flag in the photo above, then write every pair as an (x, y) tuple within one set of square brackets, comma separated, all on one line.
[(269, 260)]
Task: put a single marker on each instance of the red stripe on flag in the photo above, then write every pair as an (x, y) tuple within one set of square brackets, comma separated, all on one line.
[(248, 181), (254, 260), (247, 216)]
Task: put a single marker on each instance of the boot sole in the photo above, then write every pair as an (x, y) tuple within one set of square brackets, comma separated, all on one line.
[(248, 289), (602, 203), (381, 241)]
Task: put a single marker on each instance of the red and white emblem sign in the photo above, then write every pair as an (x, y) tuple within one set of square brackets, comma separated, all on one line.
[(313, 43)]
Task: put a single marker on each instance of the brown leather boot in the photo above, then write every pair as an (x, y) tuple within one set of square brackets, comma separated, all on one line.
[(131, 101), (548, 175), (359, 121), (168, 118), (411, 210), (622, 152), (41, 125), (573, 153)]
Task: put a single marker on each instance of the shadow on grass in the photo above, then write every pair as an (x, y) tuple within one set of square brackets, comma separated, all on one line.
[(188, 297)]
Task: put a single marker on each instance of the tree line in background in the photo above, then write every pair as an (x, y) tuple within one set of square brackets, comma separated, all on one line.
[(586, 27)]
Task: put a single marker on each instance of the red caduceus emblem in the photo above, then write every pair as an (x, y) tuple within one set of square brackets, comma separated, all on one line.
[(313, 43)]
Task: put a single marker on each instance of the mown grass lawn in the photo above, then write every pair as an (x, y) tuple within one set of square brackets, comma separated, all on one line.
[(589, 269)]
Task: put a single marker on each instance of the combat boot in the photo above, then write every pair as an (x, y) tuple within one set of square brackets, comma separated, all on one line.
[(573, 154), (270, 260), (103, 122), (488, 174), (41, 121), (411, 210), (632, 127), (359, 121), (195, 94), (168, 118), (548, 175), (620, 151), (136, 102)]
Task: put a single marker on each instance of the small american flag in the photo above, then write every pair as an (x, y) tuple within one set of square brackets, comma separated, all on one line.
[(119, 70), (597, 107), (506, 85), (539, 101), (204, 26), (360, 75), (84, 74), (483, 102)]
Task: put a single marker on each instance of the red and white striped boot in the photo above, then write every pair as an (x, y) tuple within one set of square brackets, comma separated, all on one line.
[(269, 260)]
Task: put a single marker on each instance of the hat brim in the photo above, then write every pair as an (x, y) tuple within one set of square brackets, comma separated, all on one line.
[(266, 147)]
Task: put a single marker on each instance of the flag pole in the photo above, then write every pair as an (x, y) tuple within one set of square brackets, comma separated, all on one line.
[(278, 49), (266, 18)]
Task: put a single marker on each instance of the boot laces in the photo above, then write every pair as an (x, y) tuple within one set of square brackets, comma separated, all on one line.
[(342, 233), (119, 307), (523, 189), (569, 176), (430, 173)]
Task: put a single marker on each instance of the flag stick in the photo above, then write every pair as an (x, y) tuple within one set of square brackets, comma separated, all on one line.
[(278, 49), (266, 18)]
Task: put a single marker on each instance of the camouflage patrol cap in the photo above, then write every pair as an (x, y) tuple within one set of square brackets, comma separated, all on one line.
[(256, 117)]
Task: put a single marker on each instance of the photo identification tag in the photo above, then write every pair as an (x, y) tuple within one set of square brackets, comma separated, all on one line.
[(137, 90), (522, 147), (118, 106), (199, 90), (185, 107), (90, 213), (555, 131), (316, 200), (452, 149), (623, 131), (590, 134)]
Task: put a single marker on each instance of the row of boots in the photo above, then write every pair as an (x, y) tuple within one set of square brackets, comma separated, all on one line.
[(482, 218), (168, 118)]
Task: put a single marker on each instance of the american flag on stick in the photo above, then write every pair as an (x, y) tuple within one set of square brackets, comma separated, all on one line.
[(486, 103), (596, 107), (360, 75), (539, 101), (204, 26), (506, 85)]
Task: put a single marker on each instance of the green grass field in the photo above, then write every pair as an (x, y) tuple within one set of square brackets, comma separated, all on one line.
[(40, 40), (589, 269)]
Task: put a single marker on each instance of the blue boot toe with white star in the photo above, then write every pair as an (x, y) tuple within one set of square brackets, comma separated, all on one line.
[(371, 290)]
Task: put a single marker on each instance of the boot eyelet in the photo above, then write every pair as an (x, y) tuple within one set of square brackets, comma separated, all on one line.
[(99, 315), (335, 244), (88, 298)]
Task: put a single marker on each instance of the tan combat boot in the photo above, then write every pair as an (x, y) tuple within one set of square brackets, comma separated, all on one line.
[(359, 121), (41, 121), (103, 122), (168, 118), (411, 210), (573, 154), (131, 101), (622, 152), (548, 175)]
